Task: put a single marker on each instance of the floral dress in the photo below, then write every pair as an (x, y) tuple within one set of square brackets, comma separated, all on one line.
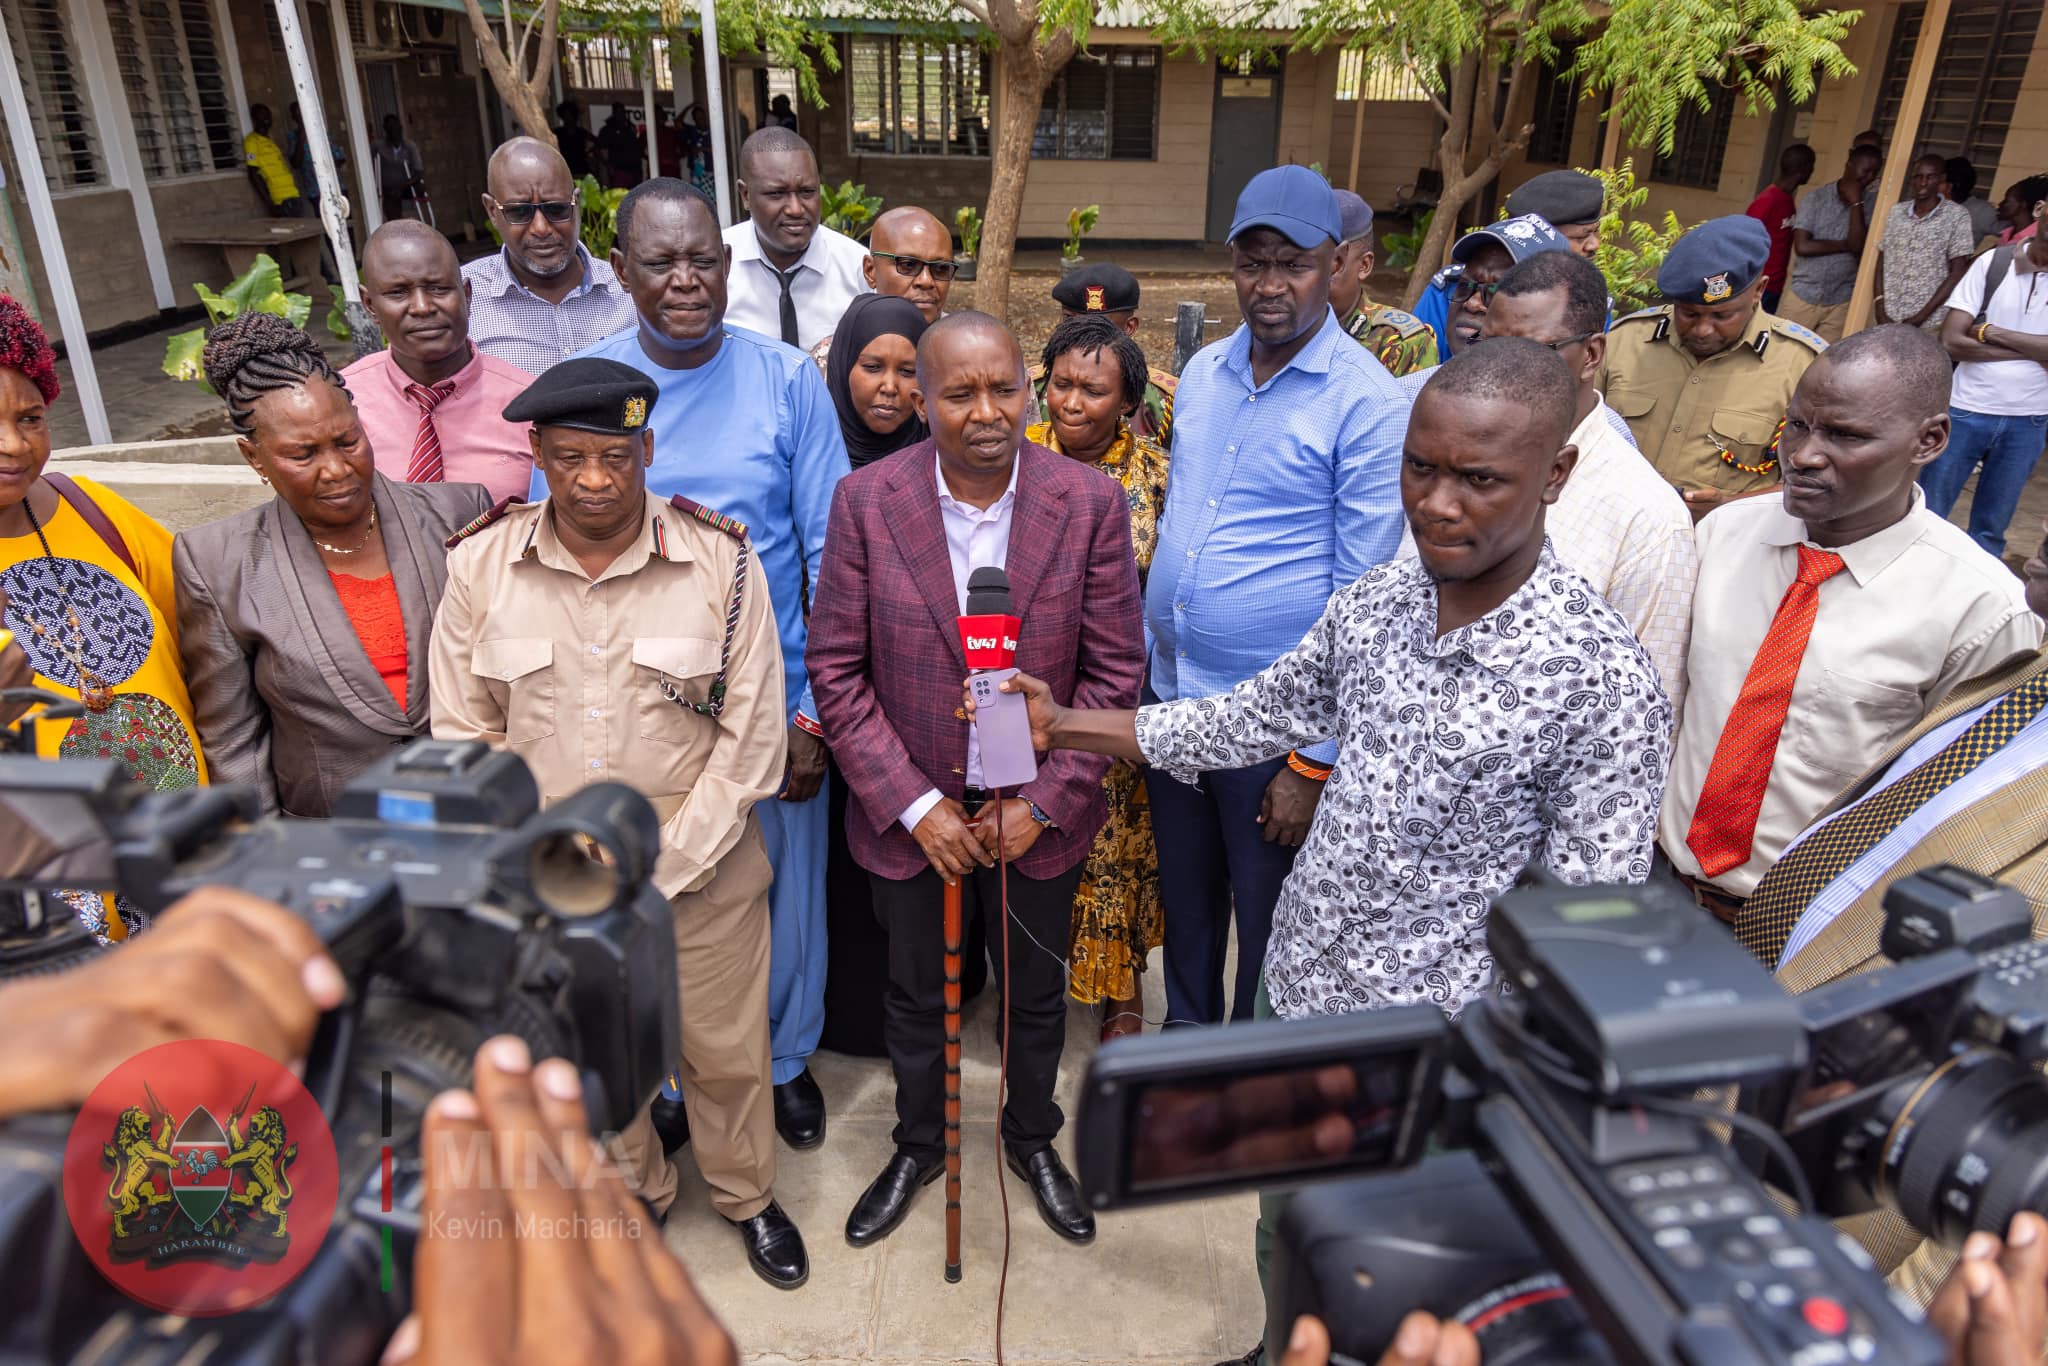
[(1117, 913), (94, 627)]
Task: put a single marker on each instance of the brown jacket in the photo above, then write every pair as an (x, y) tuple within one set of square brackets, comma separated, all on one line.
[(284, 698)]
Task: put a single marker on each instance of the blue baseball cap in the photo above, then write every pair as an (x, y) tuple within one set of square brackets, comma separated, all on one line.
[(1523, 237), (1293, 201)]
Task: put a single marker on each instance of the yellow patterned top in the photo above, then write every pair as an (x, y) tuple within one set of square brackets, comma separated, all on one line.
[(1139, 464)]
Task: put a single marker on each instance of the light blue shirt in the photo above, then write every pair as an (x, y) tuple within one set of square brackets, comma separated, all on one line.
[(751, 434), (1281, 494), (511, 322), (2020, 756)]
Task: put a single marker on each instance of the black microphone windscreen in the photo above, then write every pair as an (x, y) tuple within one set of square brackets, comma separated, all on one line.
[(988, 593)]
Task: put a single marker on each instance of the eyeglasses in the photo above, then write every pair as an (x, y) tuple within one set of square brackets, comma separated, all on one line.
[(909, 267), (554, 210), (1466, 287), (1562, 342)]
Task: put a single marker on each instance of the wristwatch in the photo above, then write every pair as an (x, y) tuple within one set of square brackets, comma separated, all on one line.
[(1039, 815)]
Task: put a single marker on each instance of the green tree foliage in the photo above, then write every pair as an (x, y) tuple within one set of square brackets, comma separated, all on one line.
[(1631, 250), (1657, 55)]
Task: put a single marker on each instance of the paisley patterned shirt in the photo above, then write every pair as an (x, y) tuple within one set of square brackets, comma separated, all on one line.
[(1537, 733)]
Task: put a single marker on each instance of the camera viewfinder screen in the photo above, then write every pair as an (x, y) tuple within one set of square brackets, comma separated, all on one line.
[(1589, 910), (1876, 1047), (1316, 1120)]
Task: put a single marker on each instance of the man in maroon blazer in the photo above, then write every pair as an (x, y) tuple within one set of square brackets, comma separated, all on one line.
[(886, 666)]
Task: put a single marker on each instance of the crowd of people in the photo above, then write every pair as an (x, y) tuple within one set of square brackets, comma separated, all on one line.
[(1324, 640)]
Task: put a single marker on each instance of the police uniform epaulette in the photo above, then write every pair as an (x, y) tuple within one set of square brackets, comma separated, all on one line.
[(1449, 273), (1165, 381), (1785, 327), (1642, 314), (1407, 324), (717, 521), (494, 513)]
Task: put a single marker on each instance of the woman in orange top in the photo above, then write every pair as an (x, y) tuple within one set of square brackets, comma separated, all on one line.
[(305, 622)]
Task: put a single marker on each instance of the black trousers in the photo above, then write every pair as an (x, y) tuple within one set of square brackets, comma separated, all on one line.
[(915, 1006)]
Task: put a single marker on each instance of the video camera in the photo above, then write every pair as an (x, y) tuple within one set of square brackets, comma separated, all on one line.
[(456, 908), (1564, 1188)]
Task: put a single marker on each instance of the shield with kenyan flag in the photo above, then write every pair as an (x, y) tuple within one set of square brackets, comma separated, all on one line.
[(201, 1179)]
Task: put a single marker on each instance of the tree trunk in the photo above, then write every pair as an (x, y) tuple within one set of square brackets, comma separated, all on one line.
[(1024, 68), (1462, 184), (527, 96)]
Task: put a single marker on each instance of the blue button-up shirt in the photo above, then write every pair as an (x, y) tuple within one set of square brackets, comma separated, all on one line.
[(1281, 493), (511, 322), (752, 434)]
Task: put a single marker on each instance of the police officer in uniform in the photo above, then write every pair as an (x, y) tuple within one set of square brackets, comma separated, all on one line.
[(1400, 341), (1113, 290), (603, 634), (1703, 379)]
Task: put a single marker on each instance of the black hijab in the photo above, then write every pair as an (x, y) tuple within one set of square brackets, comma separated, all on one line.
[(866, 318)]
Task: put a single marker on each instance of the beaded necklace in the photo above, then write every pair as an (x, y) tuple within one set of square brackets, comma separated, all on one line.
[(93, 691)]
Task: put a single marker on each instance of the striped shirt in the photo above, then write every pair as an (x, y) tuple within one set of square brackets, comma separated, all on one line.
[(2020, 756), (511, 322)]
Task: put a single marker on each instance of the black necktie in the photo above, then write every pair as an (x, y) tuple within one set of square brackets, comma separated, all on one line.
[(788, 277)]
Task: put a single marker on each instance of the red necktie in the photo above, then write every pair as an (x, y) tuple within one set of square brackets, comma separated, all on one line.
[(425, 465), (1724, 822)]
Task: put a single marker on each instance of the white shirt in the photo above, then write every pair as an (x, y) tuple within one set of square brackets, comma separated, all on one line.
[(2005, 388), (975, 539), (2021, 755), (828, 278), (1916, 609), (1626, 531)]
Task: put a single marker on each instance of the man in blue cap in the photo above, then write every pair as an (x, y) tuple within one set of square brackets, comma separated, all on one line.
[(1447, 294), (1286, 487), (1703, 379)]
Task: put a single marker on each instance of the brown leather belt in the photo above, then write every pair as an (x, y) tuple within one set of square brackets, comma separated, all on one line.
[(1712, 899)]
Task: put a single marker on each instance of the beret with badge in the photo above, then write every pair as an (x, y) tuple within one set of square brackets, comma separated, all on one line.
[(1715, 261), (1100, 288), (590, 394)]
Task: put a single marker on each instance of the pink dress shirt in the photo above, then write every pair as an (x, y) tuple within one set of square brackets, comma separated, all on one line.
[(478, 446)]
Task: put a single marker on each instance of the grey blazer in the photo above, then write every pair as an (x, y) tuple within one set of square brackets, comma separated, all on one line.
[(285, 698)]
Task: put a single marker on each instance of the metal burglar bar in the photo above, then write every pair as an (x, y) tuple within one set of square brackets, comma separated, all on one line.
[(1977, 77), (1103, 107), (59, 113)]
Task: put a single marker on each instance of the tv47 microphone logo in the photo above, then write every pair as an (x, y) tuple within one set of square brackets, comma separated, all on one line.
[(1004, 642)]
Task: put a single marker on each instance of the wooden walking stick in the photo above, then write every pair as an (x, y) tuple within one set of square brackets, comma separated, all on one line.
[(952, 937)]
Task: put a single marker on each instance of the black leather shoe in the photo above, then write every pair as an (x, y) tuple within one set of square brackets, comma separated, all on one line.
[(1058, 1196), (887, 1199), (800, 1111), (671, 1123), (774, 1248)]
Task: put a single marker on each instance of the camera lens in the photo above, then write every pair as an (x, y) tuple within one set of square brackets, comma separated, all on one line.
[(1534, 1322), (1965, 1147), (589, 852)]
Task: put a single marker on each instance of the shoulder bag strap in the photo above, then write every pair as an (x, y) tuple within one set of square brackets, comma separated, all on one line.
[(103, 527), (1994, 276)]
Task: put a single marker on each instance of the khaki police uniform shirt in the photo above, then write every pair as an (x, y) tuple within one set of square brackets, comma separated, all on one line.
[(1697, 420), (534, 656)]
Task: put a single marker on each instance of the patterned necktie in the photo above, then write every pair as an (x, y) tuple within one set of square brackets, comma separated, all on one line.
[(1724, 821), (788, 278), (425, 465), (1773, 910)]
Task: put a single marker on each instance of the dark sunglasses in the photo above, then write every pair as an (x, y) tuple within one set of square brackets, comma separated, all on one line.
[(1465, 288), (909, 266), (555, 210)]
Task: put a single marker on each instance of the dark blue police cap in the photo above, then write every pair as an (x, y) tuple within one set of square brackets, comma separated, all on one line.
[(1715, 261), (590, 394)]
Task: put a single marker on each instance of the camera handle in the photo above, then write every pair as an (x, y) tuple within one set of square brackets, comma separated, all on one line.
[(21, 738)]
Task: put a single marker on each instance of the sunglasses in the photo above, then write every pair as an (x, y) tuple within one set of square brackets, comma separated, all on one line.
[(909, 267), (554, 210), (1466, 287)]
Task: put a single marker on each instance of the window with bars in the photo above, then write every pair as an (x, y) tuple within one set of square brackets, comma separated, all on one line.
[(605, 62), (1382, 81), (55, 86), (916, 97), (1102, 107), (177, 90), (1557, 102), (1977, 78), (1697, 144)]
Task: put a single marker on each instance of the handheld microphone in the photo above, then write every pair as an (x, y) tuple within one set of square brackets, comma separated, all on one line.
[(1002, 720)]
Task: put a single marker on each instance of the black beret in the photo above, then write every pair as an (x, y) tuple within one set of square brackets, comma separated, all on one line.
[(1715, 261), (591, 394), (1097, 289), (1558, 197)]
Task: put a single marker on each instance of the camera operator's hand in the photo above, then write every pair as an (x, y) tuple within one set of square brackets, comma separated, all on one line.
[(1421, 1340), (220, 964), (584, 1278), (1993, 1308)]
